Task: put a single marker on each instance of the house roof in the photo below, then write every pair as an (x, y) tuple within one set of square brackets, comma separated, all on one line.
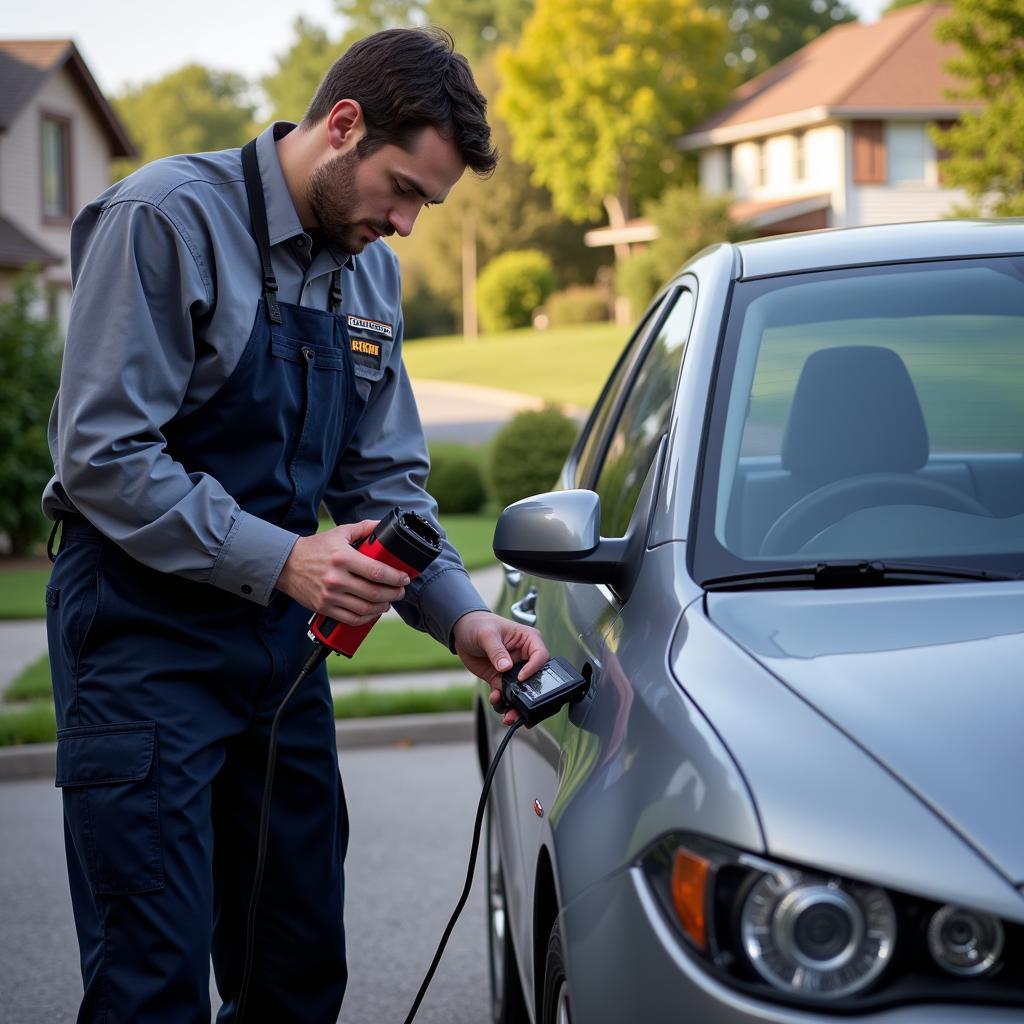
[(18, 250), (893, 66), (26, 63)]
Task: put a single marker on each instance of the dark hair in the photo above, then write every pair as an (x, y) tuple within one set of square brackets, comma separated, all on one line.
[(407, 80)]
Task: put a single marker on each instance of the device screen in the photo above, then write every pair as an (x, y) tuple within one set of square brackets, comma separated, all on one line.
[(546, 681)]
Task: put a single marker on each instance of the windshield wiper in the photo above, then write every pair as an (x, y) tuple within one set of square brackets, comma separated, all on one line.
[(825, 575)]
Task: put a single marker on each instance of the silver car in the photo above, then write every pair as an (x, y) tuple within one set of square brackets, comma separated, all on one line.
[(787, 551)]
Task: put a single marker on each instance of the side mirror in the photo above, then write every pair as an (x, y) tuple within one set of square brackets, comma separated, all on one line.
[(557, 536)]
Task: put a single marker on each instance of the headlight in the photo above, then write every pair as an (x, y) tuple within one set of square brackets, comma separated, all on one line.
[(807, 937), (816, 936), (965, 942)]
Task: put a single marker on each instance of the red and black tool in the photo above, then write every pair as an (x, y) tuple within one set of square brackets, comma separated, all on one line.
[(402, 539)]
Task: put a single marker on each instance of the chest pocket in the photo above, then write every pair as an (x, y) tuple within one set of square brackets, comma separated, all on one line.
[(325, 357), (370, 354)]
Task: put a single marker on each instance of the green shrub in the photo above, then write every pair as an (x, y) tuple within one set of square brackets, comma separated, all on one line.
[(577, 304), (456, 482), (511, 287), (528, 452), (29, 374)]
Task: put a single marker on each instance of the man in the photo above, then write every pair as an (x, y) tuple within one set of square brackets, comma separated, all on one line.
[(233, 362)]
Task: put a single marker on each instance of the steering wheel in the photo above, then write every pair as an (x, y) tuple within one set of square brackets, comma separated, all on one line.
[(830, 503)]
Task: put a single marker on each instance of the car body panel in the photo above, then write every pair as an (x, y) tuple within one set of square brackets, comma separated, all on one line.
[(941, 663), (823, 800)]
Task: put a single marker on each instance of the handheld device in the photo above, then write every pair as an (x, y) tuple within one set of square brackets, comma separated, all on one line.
[(402, 539), (539, 696)]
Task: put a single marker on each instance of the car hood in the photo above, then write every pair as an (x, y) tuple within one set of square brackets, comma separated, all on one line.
[(926, 679)]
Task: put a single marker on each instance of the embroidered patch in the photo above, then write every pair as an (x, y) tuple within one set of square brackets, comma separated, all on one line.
[(358, 323), (365, 352)]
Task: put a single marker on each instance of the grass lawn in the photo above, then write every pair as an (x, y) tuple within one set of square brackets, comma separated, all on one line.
[(563, 365), (391, 647), (22, 592), (372, 704)]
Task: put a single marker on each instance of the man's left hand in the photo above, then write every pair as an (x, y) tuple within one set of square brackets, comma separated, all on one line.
[(489, 645)]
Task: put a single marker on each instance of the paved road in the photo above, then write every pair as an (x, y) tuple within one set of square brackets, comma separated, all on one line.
[(412, 812)]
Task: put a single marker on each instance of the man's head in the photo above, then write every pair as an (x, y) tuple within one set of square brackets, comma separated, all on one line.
[(401, 118)]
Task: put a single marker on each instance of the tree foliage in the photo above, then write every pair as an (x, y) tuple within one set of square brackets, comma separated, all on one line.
[(687, 221), (766, 31), (299, 70), (192, 110), (480, 25), (986, 147), (596, 93), (29, 374)]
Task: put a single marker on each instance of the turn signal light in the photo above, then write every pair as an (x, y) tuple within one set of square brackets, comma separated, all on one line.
[(689, 895)]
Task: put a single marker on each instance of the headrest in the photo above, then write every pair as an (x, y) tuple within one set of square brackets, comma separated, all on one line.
[(854, 411)]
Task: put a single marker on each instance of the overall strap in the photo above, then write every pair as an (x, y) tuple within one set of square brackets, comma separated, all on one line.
[(258, 216), (335, 295)]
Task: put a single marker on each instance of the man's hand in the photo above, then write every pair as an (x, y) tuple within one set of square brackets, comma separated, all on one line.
[(325, 574), (489, 645)]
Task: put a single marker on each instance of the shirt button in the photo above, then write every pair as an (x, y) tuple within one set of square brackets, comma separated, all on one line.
[(246, 589), (302, 241)]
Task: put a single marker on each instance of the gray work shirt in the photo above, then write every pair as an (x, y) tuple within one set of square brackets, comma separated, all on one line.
[(167, 280)]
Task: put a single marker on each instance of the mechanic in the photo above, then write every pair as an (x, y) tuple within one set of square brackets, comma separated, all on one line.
[(233, 361)]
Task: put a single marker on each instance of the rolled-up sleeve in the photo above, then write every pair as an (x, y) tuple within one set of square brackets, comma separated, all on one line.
[(385, 466), (139, 292)]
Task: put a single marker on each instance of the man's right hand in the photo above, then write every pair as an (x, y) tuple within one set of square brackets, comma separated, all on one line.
[(326, 574)]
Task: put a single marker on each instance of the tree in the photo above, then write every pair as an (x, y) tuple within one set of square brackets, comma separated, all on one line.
[(986, 147), (766, 31), (29, 375), (687, 221), (898, 5), (299, 70), (480, 25), (367, 16), (597, 92), (191, 110)]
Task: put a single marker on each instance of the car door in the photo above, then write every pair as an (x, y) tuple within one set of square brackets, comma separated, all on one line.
[(613, 457)]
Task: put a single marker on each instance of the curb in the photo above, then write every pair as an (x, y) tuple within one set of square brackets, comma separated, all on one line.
[(39, 760)]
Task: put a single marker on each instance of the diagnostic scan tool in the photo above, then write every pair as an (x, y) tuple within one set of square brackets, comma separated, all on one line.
[(539, 696)]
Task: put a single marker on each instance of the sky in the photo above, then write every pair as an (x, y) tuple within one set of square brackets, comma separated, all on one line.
[(134, 43)]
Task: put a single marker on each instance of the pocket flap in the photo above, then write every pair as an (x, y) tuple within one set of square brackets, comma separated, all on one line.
[(97, 754)]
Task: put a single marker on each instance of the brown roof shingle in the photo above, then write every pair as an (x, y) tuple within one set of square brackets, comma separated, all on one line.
[(18, 250), (894, 64), (26, 63)]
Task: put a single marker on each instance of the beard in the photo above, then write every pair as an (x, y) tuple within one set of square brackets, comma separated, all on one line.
[(333, 198)]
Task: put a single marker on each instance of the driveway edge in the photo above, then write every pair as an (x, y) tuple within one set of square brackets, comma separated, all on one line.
[(38, 760)]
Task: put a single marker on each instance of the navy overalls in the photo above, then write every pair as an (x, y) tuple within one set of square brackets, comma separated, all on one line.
[(165, 690)]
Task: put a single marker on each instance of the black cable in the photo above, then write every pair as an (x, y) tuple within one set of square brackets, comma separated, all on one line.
[(469, 874), (318, 654)]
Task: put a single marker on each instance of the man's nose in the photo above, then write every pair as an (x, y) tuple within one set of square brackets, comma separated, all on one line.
[(403, 220)]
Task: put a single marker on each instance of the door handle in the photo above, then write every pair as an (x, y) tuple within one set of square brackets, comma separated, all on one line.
[(524, 610), (513, 577)]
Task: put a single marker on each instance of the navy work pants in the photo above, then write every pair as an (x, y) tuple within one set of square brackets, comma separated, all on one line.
[(165, 691)]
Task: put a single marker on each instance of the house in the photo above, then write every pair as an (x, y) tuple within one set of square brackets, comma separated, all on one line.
[(58, 135), (834, 135)]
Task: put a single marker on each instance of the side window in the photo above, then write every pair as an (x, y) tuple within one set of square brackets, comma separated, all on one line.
[(643, 420), (609, 401)]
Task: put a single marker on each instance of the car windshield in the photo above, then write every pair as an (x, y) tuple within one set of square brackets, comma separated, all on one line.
[(869, 414)]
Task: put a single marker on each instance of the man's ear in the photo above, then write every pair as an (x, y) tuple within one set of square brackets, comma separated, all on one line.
[(345, 125)]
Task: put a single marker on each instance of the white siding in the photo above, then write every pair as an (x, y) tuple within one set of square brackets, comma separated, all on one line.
[(21, 197), (879, 204), (713, 177)]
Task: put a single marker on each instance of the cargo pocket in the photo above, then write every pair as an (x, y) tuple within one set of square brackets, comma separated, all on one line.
[(111, 804)]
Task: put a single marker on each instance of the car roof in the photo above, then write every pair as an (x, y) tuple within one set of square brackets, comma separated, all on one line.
[(885, 243)]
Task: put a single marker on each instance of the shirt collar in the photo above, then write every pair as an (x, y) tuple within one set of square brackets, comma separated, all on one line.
[(282, 220)]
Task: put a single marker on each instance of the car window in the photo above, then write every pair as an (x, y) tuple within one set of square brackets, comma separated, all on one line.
[(872, 413), (603, 414), (643, 419)]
